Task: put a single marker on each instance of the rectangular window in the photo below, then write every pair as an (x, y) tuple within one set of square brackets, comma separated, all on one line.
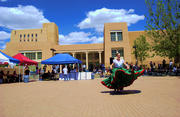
[(119, 36), (113, 53), (90, 56), (39, 55), (31, 55), (116, 36), (78, 56), (96, 56), (113, 36), (119, 50), (84, 56)]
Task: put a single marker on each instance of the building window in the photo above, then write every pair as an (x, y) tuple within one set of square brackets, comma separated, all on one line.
[(118, 50), (20, 35), (36, 35), (84, 56), (28, 40), (32, 35), (119, 36), (78, 56), (31, 55), (114, 53), (24, 40), (24, 35), (96, 55), (20, 40), (90, 56), (113, 36), (31, 39), (116, 36), (39, 55), (34, 55), (36, 40), (28, 35)]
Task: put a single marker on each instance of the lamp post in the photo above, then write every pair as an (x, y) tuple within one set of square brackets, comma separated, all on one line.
[(53, 50), (135, 55)]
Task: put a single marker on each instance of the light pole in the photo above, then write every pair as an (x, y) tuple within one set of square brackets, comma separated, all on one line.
[(53, 50), (136, 55)]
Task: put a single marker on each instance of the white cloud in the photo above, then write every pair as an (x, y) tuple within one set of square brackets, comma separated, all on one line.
[(21, 17), (79, 38), (96, 19), (3, 47), (4, 35), (3, 0)]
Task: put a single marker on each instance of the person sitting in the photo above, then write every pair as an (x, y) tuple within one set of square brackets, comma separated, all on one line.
[(15, 77), (8, 77), (1, 77)]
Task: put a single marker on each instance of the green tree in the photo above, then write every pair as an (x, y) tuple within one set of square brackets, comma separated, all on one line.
[(163, 27), (142, 48)]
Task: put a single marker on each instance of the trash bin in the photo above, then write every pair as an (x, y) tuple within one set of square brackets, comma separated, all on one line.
[(26, 78), (92, 75), (1, 81)]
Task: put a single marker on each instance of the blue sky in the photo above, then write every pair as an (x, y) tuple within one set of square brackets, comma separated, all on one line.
[(79, 21)]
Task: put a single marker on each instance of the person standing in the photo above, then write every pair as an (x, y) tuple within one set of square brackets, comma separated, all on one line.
[(26, 75), (65, 71), (120, 76), (1, 77), (164, 63), (170, 65), (84, 68)]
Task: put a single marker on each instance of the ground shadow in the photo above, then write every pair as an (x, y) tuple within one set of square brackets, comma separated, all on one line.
[(32, 80), (123, 92)]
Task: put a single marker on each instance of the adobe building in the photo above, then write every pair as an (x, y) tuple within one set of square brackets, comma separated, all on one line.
[(38, 45)]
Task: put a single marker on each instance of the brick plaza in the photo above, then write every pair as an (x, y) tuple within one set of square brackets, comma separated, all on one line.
[(147, 97)]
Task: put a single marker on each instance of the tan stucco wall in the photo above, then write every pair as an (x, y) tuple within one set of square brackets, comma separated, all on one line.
[(48, 37), (109, 45), (133, 35), (79, 48)]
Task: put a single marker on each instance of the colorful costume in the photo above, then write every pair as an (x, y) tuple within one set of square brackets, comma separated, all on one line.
[(121, 77)]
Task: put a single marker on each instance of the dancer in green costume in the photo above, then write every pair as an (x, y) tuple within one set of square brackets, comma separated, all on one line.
[(120, 76)]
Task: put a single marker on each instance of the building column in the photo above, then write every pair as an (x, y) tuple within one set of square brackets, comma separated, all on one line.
[(60, 68), (100, 60), (73, 53), (36, 56), (86, 60)]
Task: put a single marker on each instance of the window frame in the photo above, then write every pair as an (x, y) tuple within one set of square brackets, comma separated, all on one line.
[(116, 35)]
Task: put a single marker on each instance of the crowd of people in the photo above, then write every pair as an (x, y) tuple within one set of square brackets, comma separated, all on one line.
[(163, 69), (6, 77), (154, 69)]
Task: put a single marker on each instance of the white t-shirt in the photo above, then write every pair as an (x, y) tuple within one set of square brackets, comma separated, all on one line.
[(118, 64), (65, 70)]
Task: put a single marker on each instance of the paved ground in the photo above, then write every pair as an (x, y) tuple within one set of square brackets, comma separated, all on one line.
[(147, 97)]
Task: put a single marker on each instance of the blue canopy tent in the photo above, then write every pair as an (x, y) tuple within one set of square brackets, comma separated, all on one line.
[(60, 59)]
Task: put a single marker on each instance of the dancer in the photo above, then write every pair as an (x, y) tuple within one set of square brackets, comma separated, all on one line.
[(120, 76)]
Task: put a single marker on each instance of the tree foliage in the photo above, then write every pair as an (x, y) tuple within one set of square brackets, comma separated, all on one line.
[(142, 48), (163, 27)]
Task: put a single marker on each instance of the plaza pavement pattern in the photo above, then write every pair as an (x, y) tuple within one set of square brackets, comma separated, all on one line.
[(147, 97)]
